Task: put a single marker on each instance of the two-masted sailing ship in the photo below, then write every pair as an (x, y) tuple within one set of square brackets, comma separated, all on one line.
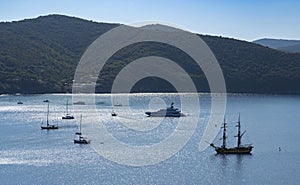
[(239, 149)]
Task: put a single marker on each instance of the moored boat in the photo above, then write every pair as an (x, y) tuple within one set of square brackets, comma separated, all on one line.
[(79, 138), (239, 149), (48, 126), (67, 116), (168, 112)]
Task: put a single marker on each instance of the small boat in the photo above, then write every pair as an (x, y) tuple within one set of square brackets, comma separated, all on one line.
[(113, 113), (67, 116), (79, 103), (19, 102), (168, 112), (46, 101), (100, 103), (239, 149), (48, 126), (79, 138)]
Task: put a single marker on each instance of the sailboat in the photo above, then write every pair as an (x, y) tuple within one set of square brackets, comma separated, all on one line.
[(79, 138), (239, 149), (48, 126), (113, 113), (67, 116)]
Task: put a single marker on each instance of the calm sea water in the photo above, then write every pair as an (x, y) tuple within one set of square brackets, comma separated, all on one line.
[(29, 155)]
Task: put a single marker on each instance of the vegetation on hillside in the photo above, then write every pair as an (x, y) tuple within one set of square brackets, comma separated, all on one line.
[(40, 55)]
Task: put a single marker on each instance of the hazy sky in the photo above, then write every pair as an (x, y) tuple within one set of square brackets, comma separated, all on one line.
[(241, 19)]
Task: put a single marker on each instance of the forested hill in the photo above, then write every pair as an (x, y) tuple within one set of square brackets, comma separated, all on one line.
[(40, 55)]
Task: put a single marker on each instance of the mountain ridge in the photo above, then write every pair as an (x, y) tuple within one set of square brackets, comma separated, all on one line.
[(285, 45), (40, 55)]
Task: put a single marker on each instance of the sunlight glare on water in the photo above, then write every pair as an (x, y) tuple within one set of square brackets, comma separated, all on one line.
[(29, 155)]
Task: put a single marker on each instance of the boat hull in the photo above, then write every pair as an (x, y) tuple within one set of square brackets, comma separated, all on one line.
[(236, 150), (79, 103), (168, 112), (82, 141), (68, 117), (49, 127), (155, 114)]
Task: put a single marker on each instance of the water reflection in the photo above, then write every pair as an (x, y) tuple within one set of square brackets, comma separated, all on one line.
[(231, 169)]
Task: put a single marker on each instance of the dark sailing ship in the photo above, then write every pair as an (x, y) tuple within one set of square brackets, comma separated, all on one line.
[(239, 149)]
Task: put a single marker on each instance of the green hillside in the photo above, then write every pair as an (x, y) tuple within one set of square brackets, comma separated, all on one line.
[(40, 55)]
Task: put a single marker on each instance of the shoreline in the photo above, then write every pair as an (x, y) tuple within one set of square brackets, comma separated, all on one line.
[(133, 93)]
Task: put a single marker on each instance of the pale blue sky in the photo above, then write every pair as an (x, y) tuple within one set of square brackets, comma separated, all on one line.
[(241, 19)]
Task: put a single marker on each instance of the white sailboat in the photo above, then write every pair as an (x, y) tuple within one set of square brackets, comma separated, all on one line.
[(48, 126), (79, 138), (67, 116), (113, 112)]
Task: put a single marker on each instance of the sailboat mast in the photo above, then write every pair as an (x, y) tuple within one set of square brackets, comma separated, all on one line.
[(239, 132), (67, 107), (48, 115), (224, 134), (80, 123)]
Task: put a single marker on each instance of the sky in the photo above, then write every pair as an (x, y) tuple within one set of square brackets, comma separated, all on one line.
[(241, 19)]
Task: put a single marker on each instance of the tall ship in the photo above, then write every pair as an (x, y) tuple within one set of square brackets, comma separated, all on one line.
[(239, 149), (168, 112)]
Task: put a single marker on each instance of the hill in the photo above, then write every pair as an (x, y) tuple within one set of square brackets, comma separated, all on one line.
[(291, 49), (292, 46), (40, 55)]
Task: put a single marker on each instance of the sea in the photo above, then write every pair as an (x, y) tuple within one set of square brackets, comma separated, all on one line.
[(29, 155)]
